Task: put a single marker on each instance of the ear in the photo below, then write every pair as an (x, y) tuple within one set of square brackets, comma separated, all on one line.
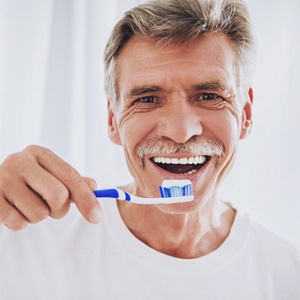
[(247, 115), (113, 128)]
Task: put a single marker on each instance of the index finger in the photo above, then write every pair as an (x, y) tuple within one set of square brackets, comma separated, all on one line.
[(79, 190)]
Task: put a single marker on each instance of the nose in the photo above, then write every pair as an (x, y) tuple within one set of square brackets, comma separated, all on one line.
[(179, 122)]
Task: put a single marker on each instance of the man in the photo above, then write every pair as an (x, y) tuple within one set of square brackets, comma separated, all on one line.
[(178, 80)]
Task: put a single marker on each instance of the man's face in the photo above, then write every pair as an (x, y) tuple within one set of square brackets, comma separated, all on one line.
[(182, 97)]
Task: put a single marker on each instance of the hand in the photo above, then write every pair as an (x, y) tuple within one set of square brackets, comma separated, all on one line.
[(36, 183)]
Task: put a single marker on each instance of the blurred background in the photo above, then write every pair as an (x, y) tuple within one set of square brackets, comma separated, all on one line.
[(51, 94)]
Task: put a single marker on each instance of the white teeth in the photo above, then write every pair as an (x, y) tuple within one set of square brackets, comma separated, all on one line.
[(201, 159), (183, 161), (192, 172), (175, 161), (190, 160)]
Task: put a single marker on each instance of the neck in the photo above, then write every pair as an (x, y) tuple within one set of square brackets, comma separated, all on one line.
[(187, 235)]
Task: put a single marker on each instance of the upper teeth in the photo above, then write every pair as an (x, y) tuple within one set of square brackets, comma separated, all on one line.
[(182, 161)]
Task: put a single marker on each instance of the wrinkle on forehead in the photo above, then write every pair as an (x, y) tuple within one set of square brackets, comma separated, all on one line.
[(144, 52)]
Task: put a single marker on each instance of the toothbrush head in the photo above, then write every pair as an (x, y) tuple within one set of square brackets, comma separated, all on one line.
[(176, 188)]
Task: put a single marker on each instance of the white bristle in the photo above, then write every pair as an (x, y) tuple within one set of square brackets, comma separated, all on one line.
[(175, 182), (175, 188)]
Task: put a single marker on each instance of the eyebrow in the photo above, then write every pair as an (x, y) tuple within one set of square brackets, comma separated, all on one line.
[(144, 89), (215, 85), (141, 90)]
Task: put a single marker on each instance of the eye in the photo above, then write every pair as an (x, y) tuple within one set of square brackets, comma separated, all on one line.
[(147, 103), (208, 96), (208, 100), (147, 99)]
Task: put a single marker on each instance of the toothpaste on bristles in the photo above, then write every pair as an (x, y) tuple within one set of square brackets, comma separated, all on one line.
[(176, 188)]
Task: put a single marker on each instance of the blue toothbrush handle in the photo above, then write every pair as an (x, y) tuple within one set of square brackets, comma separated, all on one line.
[(106, 193), (112, 193)]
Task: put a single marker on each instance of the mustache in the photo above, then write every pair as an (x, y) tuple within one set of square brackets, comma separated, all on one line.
[(195, 145)]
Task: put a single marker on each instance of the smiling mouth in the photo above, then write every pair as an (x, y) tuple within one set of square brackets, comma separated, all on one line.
[(184, 165)]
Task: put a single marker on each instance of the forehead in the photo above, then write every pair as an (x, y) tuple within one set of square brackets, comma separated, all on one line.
[(143, 62)]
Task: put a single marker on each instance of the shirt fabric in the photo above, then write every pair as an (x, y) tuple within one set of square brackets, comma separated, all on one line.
[(72, 259)]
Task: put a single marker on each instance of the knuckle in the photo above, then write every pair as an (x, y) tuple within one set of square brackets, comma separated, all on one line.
[(16, 164), (19, 158), (59, 214), (7, 185), (39, 215), (36, 152), (56, 201), (57, 197), (30, 149), (62, 196), (17, 226), (14, 221), (68, 174), (33, 149), (5, 182), (11, 161)]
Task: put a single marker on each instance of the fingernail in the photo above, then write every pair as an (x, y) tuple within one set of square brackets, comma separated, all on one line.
[(95, 216)]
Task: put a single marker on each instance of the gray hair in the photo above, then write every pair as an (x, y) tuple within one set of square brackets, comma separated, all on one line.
[(183, 20)]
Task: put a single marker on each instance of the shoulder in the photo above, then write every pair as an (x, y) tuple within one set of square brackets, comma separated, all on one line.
[(271, 247), (273, 240), (270, 260)]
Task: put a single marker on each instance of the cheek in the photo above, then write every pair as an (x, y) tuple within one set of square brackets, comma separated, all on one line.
[(134, 127), (133, 117), (232, 120), (235, 111), (224, 125), (228, 114), (124, 116), (232, 108)]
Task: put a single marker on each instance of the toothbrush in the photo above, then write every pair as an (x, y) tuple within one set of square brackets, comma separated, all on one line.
[(171, 191)]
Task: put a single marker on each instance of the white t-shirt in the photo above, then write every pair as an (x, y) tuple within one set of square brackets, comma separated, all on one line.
[(72, 259)]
